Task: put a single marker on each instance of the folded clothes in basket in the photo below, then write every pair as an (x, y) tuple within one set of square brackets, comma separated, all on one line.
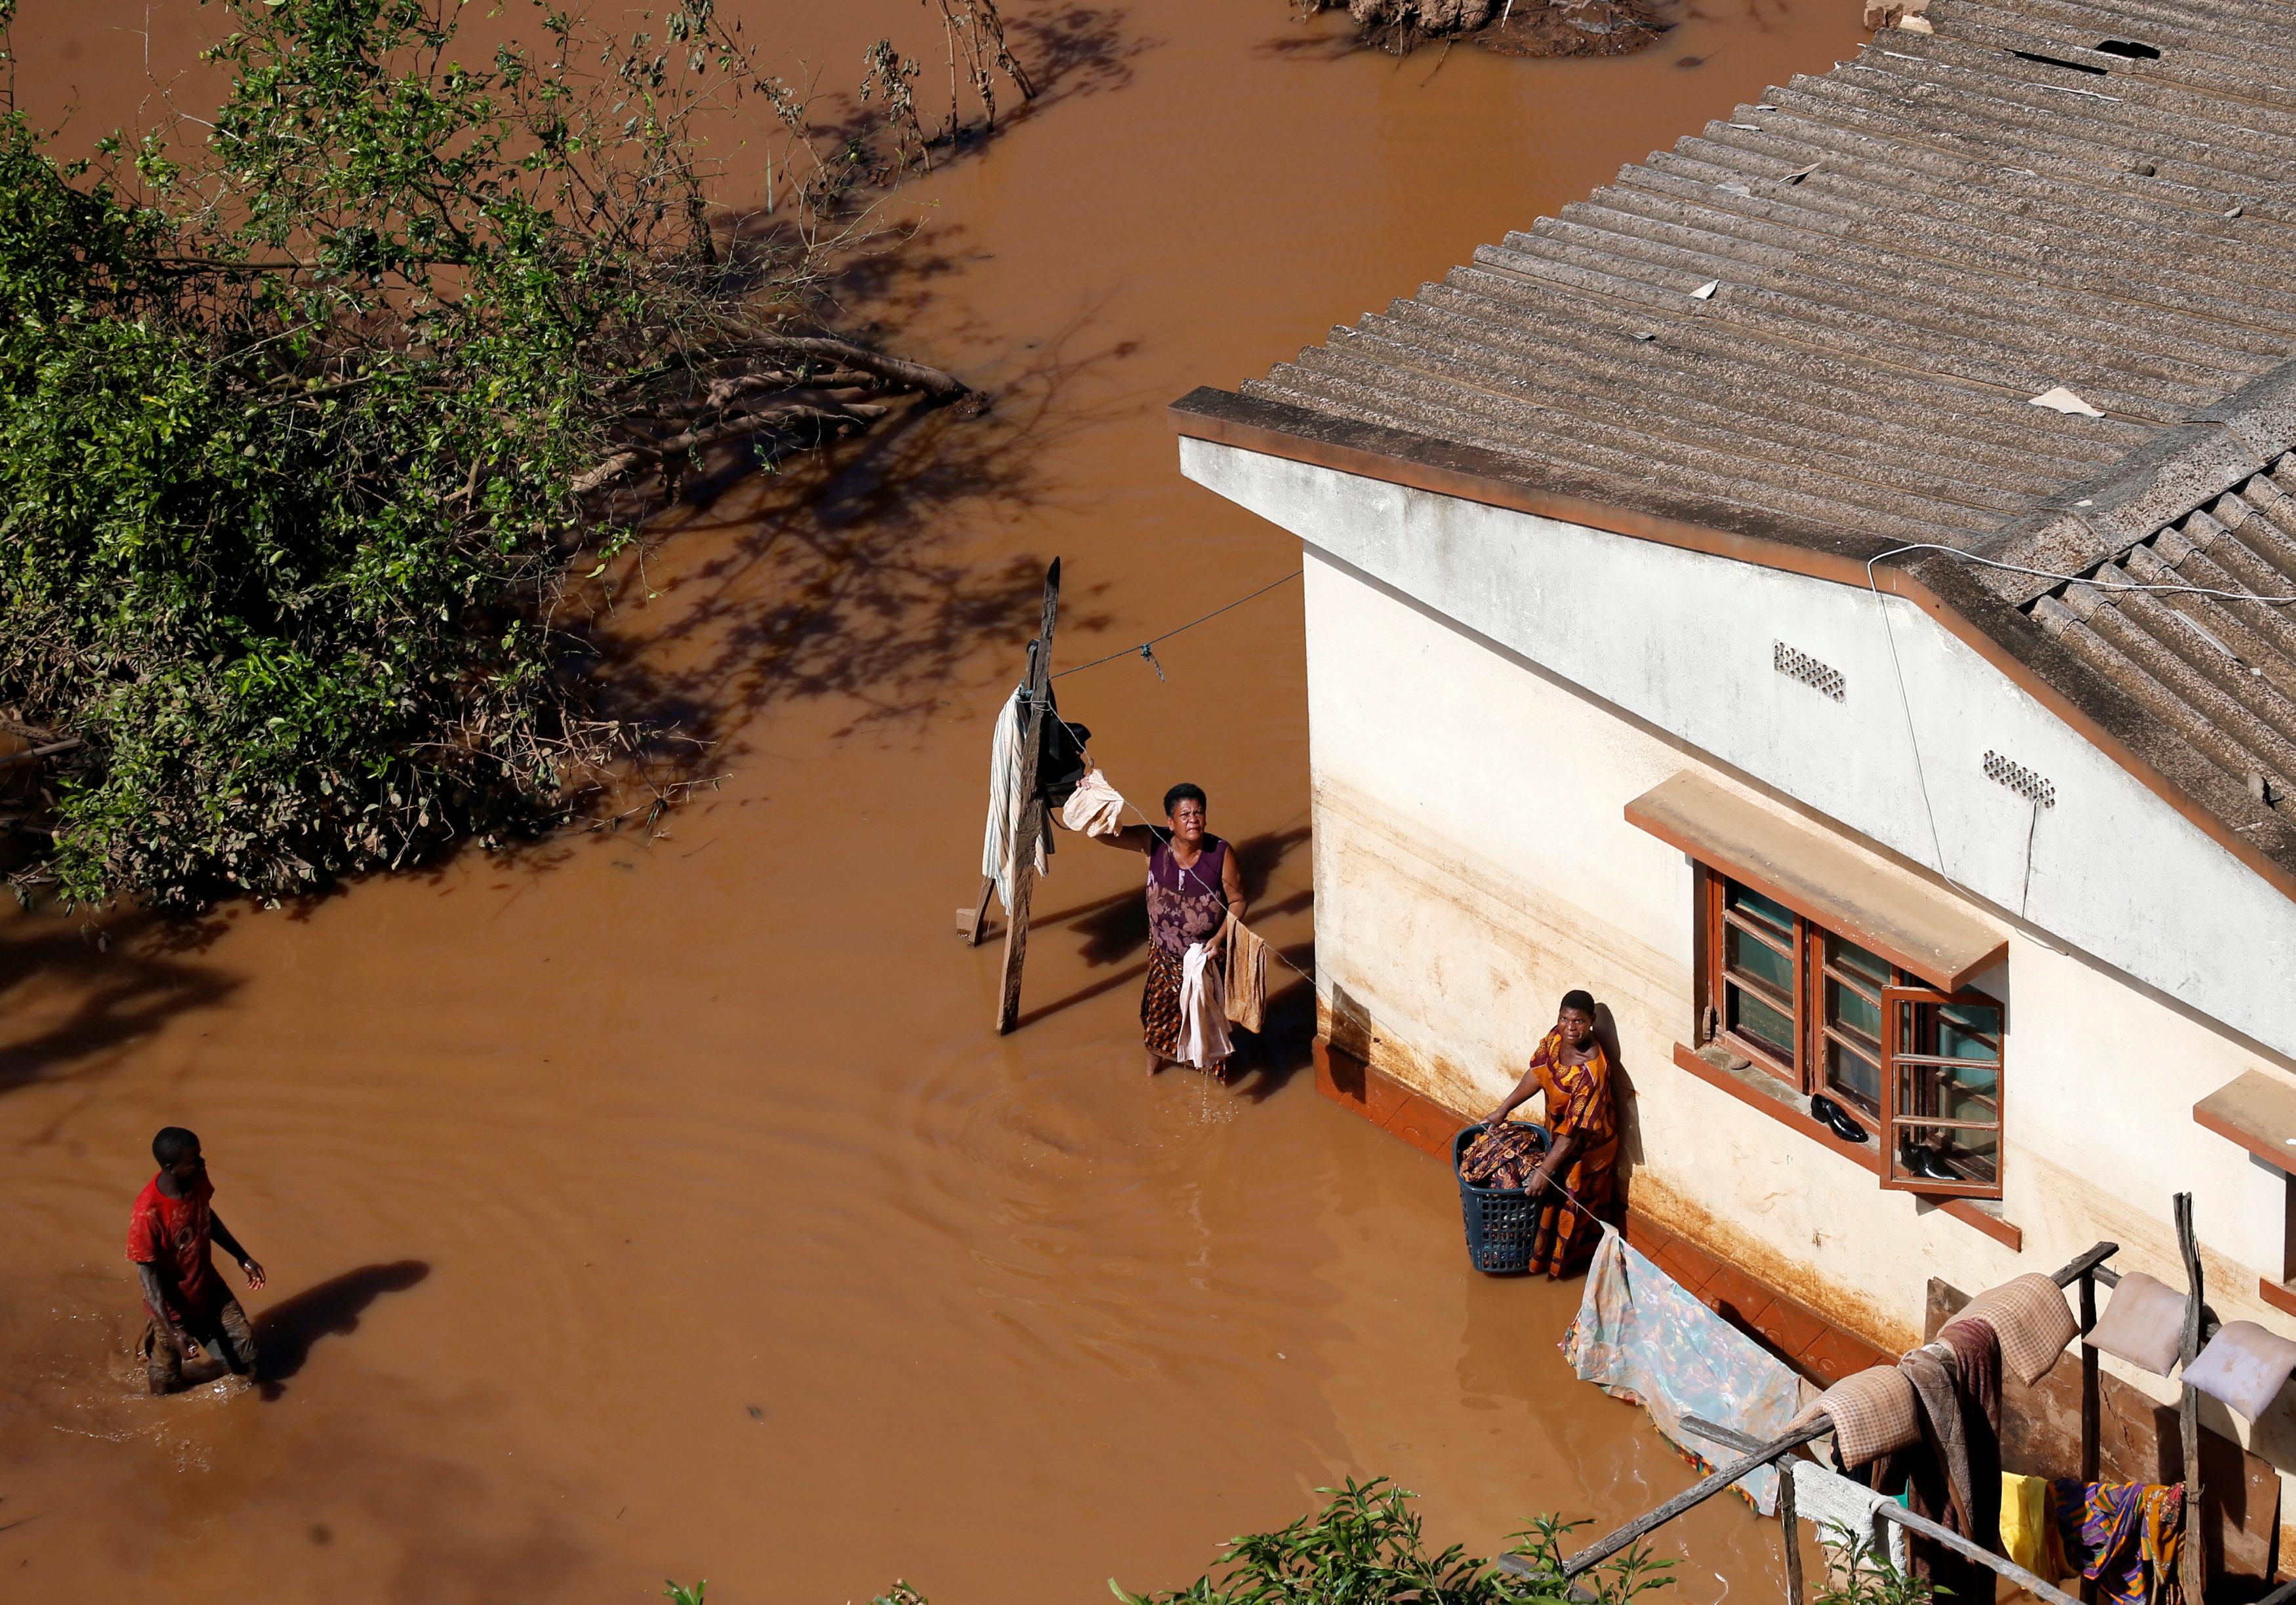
[(1504, 1156)]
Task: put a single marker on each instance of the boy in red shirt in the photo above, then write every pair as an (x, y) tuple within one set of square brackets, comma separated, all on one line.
[(168, 1238)]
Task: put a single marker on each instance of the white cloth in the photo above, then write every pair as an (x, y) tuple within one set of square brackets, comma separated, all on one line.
[(1836, 1506), (1094, 808), (1203, 1010), (1005, 800)]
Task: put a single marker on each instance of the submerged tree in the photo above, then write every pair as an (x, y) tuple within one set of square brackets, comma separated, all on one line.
[(304, 423)]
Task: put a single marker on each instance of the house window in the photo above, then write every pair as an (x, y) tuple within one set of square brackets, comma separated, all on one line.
[(1760, 978), (1943, 1133), (1850, 1028), (1920, 1070)]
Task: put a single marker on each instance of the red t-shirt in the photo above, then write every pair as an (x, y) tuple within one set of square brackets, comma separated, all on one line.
[(172, 1234)]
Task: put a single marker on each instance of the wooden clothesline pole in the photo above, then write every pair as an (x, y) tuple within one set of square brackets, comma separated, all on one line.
[(1030, 828), (2193, 1562)]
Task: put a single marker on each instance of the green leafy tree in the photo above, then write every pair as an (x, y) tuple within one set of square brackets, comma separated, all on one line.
[(1366, 1548), (306, 426)]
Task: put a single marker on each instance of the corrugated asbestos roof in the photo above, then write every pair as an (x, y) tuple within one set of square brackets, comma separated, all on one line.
[(1902, 253), (2157, 621)]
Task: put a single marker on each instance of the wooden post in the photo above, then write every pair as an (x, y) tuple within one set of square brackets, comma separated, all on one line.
[(2188, 1404), (2091, 1407), (968, 926), (1032, 826), (1791, 1528)]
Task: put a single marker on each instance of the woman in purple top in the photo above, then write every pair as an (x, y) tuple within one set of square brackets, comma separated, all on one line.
[(1194, 886)]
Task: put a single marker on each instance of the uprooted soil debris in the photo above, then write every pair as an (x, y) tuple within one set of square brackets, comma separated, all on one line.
[(1515, 28)]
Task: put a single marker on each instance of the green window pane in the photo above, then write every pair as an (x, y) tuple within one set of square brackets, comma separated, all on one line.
[(1853, 1075), (1760, 909), (1751, 1015), (1969, 1094), (1759, 960), (1968, 1031), (1852, 1011), (1866, 966)]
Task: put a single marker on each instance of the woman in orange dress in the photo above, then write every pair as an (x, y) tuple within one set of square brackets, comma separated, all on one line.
[(1573, 1069)]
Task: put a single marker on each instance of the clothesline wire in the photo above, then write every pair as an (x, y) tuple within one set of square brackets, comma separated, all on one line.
[(2089, 580), (1143, 649)]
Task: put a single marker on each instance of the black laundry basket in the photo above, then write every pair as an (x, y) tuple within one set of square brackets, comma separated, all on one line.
[(1501, 1221)]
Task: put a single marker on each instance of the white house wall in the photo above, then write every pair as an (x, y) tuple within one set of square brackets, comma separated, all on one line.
[(1684, 640), (1472, 863)]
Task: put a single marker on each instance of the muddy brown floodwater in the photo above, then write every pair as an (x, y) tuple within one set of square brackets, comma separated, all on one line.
[(661, 1204)]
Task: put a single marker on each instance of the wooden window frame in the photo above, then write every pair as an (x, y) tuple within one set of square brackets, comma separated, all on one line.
[(1895, 1000), (1712, 976), (1714, 971)]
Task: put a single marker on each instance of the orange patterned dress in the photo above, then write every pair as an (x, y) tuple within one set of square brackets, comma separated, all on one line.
[(1577, 1100)]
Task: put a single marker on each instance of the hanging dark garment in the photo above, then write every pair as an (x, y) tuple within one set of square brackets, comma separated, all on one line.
[(1954, 1477)]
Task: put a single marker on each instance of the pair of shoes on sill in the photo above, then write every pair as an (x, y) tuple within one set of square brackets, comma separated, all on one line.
[(1928, 1162), (1836, 1119)]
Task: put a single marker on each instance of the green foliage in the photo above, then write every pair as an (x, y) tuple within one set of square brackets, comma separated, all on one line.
[(1855, 1575), (1365, 1547), (295, 423), (678, 1593)]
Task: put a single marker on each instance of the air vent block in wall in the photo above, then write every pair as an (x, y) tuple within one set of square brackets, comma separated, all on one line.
[(2033, 788), (1800, 665)]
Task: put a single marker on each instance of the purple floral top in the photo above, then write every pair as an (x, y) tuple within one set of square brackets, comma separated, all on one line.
[(1185, 906)]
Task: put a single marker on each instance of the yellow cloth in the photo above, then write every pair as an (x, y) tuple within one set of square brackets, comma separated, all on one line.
[(2029, 1527)]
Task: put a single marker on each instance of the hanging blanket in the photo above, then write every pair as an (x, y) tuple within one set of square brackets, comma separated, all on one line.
[(1641, 1337)]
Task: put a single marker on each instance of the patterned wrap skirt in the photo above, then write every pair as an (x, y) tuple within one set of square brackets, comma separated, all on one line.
[(1160, 1004)]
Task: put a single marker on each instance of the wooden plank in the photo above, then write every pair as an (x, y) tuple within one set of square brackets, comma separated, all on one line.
[(1790, 1526), (2081, 1266), (1032, 808), (2194, 1559), (1935, 1534), (1696, 1494), (969, 926), (2092, 1409)]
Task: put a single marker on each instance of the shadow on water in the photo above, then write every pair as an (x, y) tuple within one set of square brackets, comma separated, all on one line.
[(838, 577), (286, 1333), (120, 990)]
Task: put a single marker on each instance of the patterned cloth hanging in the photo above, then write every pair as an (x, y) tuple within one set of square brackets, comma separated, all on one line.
[(1641, 1337), (2126, 1536)]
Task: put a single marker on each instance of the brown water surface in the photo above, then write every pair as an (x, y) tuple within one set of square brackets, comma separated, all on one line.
[(659, 1203)]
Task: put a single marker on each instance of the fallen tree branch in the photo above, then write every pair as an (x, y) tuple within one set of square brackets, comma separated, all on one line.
[(911, 375), (72, 744), (718, 434)]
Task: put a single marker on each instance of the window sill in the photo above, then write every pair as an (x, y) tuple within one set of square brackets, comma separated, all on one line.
[(1757, 1088)]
